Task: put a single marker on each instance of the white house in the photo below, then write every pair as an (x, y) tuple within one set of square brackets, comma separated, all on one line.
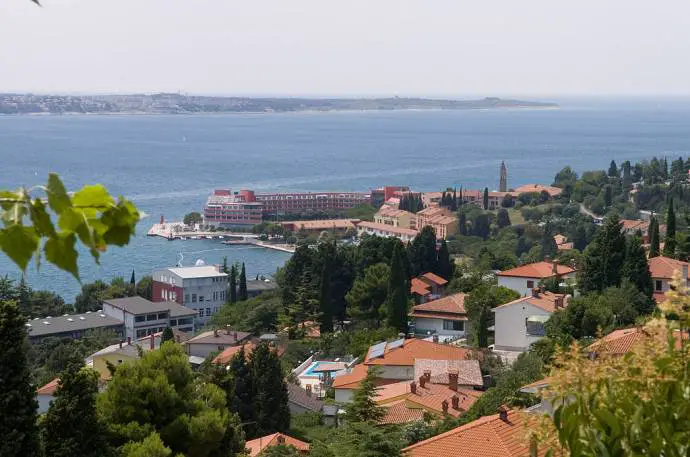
[(524, 278), (372, 228), (520, 323), (445, 316), (662, 269), (215, 341)]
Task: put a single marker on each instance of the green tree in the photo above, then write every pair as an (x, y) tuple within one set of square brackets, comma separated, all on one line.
[(462, 223), (445, 265), (613, 170), (502, 218), (483, 327), (603, 258), (627, 175), (281, 450), (91, 296), (224, 268), (192, 218), (233, 284), (144, 287), (17, 394), (269, 392), (360, 439), (424, 258), (398, 292), (133, 280), (167, 335), (71, 426), (239, 391), (325, 299), (608, 197), (151, 446), (485, 199), (369, 293), (481, 226), (653, 238), (548, 244), (159, 393), (635, 267), (363, 407), (90, 215), (242, 293), (670, 240)]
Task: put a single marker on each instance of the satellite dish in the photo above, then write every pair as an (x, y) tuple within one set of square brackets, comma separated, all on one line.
[(199, 263)]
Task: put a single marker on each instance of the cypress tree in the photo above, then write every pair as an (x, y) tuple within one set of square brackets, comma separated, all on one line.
[(635, 268), (167, 335), (240, 391), (17, 395), (670, 240), (604, 257), (627, 175), (613, 169), (486, 198), (653, 238), (224, 269), (269, 392), (363, 407), (424, 257), (503, 218), (397, 301), (608, 197), (132, 279), (454, 205), (233, 284), (325, 299), (460, 200), (462, 223), (24, 297), (483, 327), (444, 267), (71, 426), (242, 294)]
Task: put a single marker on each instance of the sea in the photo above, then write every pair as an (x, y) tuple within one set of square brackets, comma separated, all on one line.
[(168, 164)]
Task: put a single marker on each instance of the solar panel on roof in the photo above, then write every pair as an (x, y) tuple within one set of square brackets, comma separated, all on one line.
[(396, 343), (377, 350)]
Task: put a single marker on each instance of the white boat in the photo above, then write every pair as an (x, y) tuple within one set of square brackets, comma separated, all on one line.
[(193, 237), (208, 237), (183, 238), (220, 237)]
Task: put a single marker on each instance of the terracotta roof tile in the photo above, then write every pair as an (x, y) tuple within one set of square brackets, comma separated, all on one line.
[(529, 188), (399, 413), (541, 270), (430, 397), (353, 376), (388, 228), (256, 446), (413, 349), (224, 357), (469, 372), (435, 279), (544, 300), (452, 304), (663, 267), (486, 437), (620, 341), (419, 287), (50, 388)]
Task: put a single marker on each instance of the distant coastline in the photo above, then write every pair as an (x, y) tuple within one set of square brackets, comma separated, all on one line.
[(30, 104)]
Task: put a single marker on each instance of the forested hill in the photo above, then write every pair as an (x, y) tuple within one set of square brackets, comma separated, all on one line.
[(183, 104)]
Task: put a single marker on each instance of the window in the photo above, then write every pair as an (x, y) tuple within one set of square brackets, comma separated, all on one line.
[(201, 298), (185, 321), (535, 328), (141, 333), (457, 326), (201, 312), (658, 285), (151, 317), (139, 318), (162, 315), (173, 322), (208, 311), (221, 348), (193, 298), (186, 298), (530, 284)]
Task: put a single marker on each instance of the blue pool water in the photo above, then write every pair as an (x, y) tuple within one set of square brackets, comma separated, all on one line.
[(310, 371)]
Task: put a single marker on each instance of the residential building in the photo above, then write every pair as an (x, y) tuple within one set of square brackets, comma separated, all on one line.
[(249, 345), (46, 394), (662, 269), (301, 401), (338, 226), (562, 242), (395, 361), (203, 288), (620, 342), (142, 317), (213, 341), (520, 323), (444, 316), (383, 194), (73, 326), (389, 215), (372, 228), (538, 188), (500, 435), (257, 446), (225, 209), (545, 405), (524, 278), (476, 198), (426, 287), (440, 219)]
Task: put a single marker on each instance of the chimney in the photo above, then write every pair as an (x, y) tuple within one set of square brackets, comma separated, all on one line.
[(153, 342), (503, 412), (535, 292), (234, 335), (120, 344), (554, 267), (308, 389), (215, 333), (413, 387), (435, 338), (427, 375), (227, 329), (129, 340), (422, 381), (558, 302), (444, 405), (453, 380), (455, 400), (280, 439)]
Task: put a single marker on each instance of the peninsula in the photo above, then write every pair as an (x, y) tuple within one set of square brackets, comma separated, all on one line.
[(165, 103)]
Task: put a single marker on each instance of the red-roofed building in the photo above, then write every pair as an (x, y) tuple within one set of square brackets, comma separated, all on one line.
[(620, 342), (428, 286), (520, 323), (662, 268), (538, 188), (46, 394), (524, 278), (445, 316), (440, 219), (257, 446)]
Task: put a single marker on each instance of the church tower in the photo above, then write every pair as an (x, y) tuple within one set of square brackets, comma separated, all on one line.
[(503, 185)]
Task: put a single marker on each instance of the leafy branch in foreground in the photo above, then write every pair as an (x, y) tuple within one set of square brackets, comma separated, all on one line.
[(90, 215)]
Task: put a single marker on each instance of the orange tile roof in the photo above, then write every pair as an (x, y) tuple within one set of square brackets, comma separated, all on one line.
[(566, 246), (544, 300), (258, 445), (432, 211), (419, 287), (663, 267), (538, 188), (486, 437), (323, 224), (50, 388), (436, 279), (391, 211), (352, 378), (388, 228), (620, 341), (225, 356), (430, 397), (540, 270), (452, 304), (413, 349), (469, 371), (398, 412)]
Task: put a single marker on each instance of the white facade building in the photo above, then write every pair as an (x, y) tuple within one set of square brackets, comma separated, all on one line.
[(526, 277)]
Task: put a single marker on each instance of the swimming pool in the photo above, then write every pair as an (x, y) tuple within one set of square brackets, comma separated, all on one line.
[(310, 370)]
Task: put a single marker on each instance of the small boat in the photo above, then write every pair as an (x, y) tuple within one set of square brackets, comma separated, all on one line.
[(183, 238), (208, 237), (193, 237), (220, 237)]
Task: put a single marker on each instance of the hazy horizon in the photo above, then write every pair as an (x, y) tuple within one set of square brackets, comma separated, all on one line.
[(448, 49)]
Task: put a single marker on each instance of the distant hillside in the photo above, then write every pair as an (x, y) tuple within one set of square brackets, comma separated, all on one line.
[(181, 104)]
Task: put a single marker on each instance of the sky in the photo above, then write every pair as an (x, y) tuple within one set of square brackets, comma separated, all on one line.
[(450, 48)]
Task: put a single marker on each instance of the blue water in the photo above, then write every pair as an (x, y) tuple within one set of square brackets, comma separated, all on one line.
[(310, 370), (169, 164)]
